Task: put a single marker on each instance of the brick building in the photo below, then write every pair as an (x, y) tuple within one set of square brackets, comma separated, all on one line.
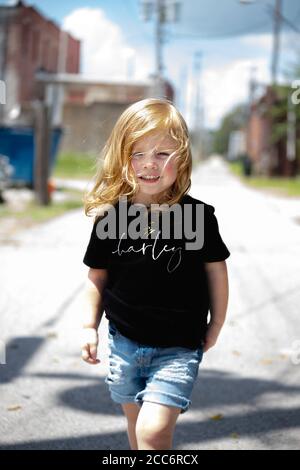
[(40, 61), (267, 151), (29, 42)]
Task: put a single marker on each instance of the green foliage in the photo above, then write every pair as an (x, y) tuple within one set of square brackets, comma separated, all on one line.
[(279, 112), (234, 120), (75, 165), (274, 185)]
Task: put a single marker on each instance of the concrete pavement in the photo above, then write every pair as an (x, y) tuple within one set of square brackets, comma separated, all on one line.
[(248, 392)]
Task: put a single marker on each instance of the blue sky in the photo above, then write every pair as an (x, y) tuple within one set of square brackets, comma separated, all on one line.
[(231, 37)]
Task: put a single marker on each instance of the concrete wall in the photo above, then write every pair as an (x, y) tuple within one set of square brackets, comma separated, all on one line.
[(91, 110), (88, 127)]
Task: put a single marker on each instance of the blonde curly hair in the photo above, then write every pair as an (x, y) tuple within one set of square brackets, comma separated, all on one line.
[(115, 176)]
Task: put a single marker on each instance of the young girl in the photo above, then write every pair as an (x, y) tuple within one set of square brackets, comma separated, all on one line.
[(155, 286)]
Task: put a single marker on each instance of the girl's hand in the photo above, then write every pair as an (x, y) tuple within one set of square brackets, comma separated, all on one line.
[(89, 345), (211, 337)]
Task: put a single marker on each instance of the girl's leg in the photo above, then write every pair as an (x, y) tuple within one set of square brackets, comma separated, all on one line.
[(155, 426), (131, 411)]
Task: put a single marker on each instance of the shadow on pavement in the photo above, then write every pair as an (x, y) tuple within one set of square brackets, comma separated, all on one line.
[(19, 352), (215, 389)]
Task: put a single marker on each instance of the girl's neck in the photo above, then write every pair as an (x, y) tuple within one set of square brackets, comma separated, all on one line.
[(146, 202)]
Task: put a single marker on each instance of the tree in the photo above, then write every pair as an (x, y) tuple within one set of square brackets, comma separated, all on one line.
[(234, 120), (280, 109)]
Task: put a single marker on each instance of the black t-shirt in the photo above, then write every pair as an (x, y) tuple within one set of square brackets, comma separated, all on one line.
[(157, 290)]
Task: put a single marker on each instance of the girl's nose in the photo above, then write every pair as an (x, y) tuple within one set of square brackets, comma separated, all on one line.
[(150, 163), (149, 160)]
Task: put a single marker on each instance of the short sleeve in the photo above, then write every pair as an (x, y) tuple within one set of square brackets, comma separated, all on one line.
[(214, 249), (97, 252)]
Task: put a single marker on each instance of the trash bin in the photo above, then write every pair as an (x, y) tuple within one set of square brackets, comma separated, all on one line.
[(17, 143), (247, 165)]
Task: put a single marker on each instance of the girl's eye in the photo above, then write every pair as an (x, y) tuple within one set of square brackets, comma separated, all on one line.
[(137, 155), (140, 155), (162, 155)]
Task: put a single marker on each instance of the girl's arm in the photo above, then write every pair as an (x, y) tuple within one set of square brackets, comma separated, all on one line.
[(94, 287), (218, 290), (93, 311)]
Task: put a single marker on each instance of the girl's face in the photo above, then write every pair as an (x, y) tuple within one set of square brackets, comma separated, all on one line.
[(153, 161)]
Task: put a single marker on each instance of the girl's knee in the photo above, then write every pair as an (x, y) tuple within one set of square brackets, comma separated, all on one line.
[(151, 436), (146, 428), (154, 428)]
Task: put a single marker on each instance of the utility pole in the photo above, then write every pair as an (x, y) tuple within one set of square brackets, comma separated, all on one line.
[(277, 20), (163, 11), (159, 39), (42, 136), (55, 91), (291, 143), (276, 40), (181, 102), (198, 106), (252, 85), (197, 116), (252, 88)]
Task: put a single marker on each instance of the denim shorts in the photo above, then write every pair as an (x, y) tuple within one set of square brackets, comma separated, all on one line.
[(138, 372)]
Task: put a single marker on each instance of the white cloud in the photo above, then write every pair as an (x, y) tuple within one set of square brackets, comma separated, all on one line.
[(226, 86), (259, 41), (264, 42), (105, 53)]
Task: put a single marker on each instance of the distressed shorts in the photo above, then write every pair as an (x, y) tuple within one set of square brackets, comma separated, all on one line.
[(139, 372)]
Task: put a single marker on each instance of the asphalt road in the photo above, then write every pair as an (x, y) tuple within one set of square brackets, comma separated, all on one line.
[(248, 391)]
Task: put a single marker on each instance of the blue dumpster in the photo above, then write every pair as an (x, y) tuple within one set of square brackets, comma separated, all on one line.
[(17, 143)]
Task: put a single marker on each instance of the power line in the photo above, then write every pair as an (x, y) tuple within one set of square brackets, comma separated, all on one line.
[(268, 8), (271, 9), (221, 35)]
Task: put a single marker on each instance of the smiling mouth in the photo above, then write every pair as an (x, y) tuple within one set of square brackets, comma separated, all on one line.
[(149, 179)]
